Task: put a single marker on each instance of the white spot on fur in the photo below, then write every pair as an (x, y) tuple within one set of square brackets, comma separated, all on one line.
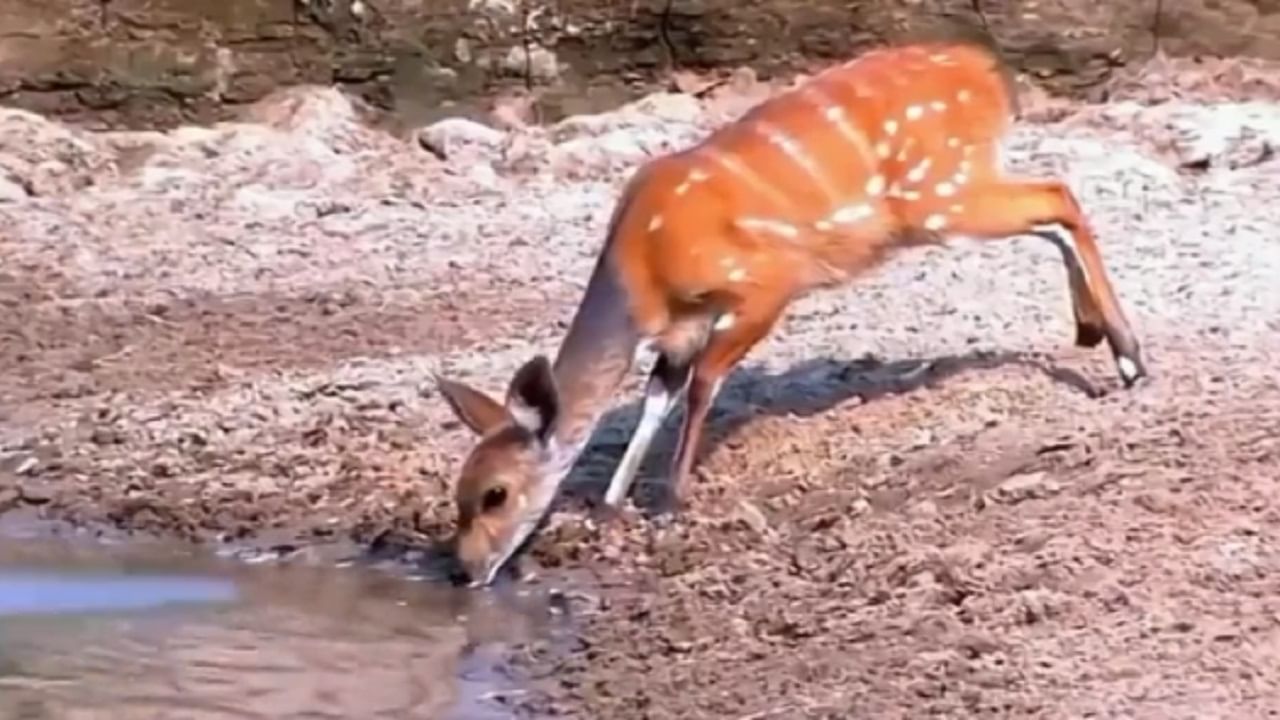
[(913, 112), (964, 96), (907, 144), (953, 142), (823, 225), (655, 222), (935, 222), (682, 188), (737, 275), (910, 195), (722, 323), (875, 185), (696, 175), (945, 189), (883, 150), (891, 127), (777, 227), (956, 209), (938, 106), (834, 113), (917, 173), (852, 213), (779, 138)]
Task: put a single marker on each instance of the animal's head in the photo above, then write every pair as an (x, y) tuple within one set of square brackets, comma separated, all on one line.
[(507, 481)]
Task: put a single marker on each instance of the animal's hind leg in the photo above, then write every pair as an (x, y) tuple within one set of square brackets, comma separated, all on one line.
[(997, 208), (1090, 324)]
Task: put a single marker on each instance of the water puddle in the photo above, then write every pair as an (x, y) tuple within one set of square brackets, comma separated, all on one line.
[(90, 630)]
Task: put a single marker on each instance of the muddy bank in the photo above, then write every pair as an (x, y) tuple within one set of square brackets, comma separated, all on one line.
[(148, 63), (919, 498)]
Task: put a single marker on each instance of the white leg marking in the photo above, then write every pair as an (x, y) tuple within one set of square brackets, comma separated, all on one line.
[(1066, 242), (1128, 369), (657, 405), (724, 322)]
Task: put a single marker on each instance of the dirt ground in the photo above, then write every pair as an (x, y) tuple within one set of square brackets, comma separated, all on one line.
[(919, 499)]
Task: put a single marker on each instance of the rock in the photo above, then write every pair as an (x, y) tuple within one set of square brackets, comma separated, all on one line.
[(1026, 486), (11, 188), (452, 137), (45, 157)]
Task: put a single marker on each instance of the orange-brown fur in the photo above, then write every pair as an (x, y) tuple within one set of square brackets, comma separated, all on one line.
[(709, 246), (682, 259)]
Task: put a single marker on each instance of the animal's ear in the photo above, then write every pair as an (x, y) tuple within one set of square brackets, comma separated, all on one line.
[(476, 410), (533, 400)]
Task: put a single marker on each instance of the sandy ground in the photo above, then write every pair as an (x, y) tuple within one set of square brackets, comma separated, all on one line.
[(919, 499)]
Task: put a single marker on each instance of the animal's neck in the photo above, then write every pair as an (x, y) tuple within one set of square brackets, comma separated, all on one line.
[(594, 358)]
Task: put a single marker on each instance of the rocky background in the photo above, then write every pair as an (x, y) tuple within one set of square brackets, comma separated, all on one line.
[(158, 63)]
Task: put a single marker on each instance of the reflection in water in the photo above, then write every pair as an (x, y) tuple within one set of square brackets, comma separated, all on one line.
[(224, 640)]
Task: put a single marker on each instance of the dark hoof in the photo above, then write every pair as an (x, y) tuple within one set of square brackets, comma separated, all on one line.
[(605, 514), (666, 509), (1088, 336)]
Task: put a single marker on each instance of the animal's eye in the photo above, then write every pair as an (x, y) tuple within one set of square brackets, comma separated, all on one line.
[(493, 498)]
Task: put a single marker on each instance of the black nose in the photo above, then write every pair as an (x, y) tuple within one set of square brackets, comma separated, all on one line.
[(459, 578)]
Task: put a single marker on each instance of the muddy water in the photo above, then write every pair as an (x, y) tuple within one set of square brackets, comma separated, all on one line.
[(96, 631)]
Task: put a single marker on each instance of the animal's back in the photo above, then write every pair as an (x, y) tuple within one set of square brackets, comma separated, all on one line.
[(877, 114), (812, 184)]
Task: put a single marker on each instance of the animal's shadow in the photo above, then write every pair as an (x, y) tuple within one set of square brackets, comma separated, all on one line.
[(807, 388)]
